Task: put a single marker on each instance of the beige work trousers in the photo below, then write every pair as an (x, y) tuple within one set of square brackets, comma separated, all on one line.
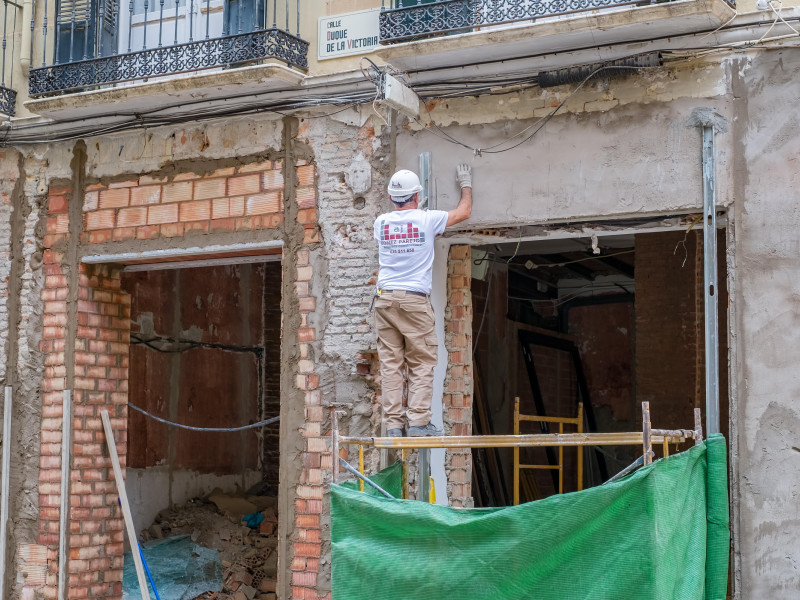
[(406, 334)]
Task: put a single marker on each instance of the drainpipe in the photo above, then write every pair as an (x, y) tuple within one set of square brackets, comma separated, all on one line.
[(26, 45), (710, 122)]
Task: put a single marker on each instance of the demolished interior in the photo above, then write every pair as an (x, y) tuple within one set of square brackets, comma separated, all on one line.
[(608, 322), (205, 351)]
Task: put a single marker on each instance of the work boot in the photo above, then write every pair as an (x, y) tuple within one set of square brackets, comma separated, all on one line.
[(428, 430), (394, 433)]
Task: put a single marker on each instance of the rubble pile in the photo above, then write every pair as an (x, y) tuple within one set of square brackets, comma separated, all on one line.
[(249, 553)]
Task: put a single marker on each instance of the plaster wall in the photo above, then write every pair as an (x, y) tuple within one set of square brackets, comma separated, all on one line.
[(765, 323), (602, 156)]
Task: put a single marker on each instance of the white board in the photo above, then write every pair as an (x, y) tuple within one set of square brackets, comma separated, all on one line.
[(348, 34)]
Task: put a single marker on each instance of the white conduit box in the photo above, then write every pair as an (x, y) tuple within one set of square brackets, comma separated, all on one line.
[(399, 96)]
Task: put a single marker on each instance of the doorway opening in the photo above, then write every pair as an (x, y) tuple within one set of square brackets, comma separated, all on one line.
[(205, 349), (609, 323)]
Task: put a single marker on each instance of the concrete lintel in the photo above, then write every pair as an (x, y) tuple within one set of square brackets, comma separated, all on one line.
[(151, 95), (560, 34), (169, 255)]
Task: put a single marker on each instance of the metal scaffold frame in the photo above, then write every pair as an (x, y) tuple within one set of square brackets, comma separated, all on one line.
[(646, 438)]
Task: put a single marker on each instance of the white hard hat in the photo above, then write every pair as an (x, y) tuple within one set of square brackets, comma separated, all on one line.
[(403, 183)]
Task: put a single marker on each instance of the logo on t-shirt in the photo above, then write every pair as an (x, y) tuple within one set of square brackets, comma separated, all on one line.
[(402, 237)]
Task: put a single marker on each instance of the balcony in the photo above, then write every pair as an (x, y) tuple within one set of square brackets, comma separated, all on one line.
[(407, 20), (12, 19), (420, 34), (94, 44)]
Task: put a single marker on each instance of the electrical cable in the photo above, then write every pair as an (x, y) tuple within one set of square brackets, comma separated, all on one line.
[(212, 429)]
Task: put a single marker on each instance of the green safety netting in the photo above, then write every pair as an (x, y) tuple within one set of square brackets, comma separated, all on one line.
[(658, 534), (390, 479)]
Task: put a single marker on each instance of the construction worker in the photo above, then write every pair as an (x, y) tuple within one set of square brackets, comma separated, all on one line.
[(404, 317)]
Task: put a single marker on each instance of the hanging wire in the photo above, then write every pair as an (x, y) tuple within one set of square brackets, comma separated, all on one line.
[(213, 429)]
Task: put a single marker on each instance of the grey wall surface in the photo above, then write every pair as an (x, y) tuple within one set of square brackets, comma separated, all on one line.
[(634, 159), (766, 495)]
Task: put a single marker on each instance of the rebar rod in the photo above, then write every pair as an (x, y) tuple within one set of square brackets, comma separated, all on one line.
[(364, 478)]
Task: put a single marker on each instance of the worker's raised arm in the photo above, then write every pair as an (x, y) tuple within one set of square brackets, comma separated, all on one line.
[(464, 208)]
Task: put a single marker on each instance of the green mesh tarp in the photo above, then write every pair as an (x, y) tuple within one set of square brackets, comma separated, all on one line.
[(658, 534), (390, 479)]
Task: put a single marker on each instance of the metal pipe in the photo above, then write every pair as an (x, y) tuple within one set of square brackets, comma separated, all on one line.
[(4, 488), (361, 466), (26, 41), (66, 445), (365, 479), (626, 471), (647, 440), (5, 23), (710, 281), (512, 441), (334, 445), (44, 35)]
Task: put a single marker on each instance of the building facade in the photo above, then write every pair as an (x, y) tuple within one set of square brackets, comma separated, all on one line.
[(188, 196)]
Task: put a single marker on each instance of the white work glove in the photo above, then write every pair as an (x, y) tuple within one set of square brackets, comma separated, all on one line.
[(464, 175)]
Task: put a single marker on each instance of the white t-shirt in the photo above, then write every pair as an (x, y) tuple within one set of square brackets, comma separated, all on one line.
[(405, 248)]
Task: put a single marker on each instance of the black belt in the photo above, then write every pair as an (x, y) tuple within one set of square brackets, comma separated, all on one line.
[(407, 292)]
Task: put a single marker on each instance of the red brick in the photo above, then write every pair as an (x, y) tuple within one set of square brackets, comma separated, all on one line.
[(272, 180), (148, 194), (124, 233), (255, 167), (222, 224), (115, 198), (172, 230), (220, 208), (100, 219), (132, 217), (195, 211), (158, 214), (57, 204), (247, 184), (146, 232), (123, 184), (209, 188), (306, 197), (199, 226), (177, 192), (236, 206), (261, 204)]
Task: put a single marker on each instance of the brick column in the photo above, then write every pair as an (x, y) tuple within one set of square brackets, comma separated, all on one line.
[(457, 399), (89, 356), (316, 455)]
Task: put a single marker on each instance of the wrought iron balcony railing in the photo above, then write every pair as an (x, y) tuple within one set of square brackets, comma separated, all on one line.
[(94, 43), (404, 20), (12, 14)]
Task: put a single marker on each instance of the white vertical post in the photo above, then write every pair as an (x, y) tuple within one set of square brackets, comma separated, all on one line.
[(6, 475), (66, 446), (126, 508)]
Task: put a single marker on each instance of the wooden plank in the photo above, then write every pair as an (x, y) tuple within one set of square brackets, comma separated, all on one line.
[(126, 508), (5, 486), (66, 446)]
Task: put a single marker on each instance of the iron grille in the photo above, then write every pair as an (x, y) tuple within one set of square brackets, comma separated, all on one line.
[(8, 101), (102, 42), (407, 21)]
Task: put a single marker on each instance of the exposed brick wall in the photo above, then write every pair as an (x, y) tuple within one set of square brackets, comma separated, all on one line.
[(100, 382), (316, 456), (457, 399), (227, 199)]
